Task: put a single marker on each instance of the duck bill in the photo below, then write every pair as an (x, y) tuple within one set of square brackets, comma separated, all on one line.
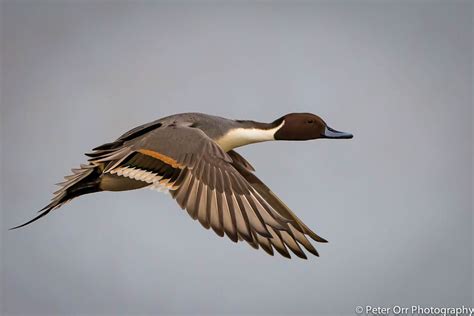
[(332, 133)]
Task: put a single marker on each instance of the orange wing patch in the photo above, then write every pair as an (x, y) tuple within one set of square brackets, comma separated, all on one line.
[(166, 159)]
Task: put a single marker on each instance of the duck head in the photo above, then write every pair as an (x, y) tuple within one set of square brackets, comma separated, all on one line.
[(305, 126)]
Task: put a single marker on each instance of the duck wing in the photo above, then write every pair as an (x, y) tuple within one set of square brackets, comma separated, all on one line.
[(216, 188), (246, 170)]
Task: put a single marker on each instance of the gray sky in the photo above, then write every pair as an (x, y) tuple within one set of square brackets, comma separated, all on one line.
[(394, 202)]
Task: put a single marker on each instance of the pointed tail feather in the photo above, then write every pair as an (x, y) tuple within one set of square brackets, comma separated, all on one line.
[(84, 180), (45, 210)]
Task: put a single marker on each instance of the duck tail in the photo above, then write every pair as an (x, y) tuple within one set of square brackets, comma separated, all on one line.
[(83, 180)]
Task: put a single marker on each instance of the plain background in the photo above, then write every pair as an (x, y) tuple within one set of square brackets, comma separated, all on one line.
[(394, 202)]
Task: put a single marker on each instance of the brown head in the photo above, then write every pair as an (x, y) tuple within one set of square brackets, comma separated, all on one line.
[(305, 126)]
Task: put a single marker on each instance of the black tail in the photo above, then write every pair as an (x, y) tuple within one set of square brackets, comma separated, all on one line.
[(82, 181)]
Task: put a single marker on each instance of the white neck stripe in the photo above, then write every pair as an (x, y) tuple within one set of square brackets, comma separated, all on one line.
[(243, 136)]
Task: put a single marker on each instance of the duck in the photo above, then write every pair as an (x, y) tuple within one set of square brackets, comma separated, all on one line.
[(192, 157)]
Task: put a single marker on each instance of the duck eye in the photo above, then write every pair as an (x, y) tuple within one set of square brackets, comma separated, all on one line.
[(310, 121)]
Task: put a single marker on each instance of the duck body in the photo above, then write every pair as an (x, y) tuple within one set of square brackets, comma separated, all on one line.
[(227, 133), (191, 156)]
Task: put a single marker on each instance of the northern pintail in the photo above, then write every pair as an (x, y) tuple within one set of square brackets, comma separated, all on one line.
[(191, 155)]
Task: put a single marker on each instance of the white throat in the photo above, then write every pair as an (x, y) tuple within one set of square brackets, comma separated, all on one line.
[(243, 136)]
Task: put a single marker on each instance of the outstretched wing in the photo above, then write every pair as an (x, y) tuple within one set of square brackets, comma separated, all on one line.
[(298, 228), (216, 188)]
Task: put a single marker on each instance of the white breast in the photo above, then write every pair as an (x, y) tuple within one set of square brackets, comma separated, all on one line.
[(243, 136)]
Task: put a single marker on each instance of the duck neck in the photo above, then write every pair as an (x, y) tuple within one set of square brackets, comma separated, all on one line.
[(249, 132)]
